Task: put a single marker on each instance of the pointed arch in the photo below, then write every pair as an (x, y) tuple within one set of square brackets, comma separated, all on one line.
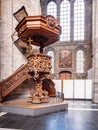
[(52, 9), (80, 61)]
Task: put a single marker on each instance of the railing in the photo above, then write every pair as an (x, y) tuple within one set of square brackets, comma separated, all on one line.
[(60, 95), (13, 81)]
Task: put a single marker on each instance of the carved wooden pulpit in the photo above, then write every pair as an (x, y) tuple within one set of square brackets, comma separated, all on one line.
[(33, 30), (39, 30)]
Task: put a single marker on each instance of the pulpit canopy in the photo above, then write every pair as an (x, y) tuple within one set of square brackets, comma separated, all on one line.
[(42, 30)]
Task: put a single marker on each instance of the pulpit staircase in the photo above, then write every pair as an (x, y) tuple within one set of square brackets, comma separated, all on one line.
[(13, 81)]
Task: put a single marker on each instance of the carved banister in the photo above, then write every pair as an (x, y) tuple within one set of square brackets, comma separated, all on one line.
[(13, 81), (17, 71)]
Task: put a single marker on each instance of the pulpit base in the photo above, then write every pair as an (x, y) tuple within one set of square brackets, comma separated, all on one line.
[(24, 107)]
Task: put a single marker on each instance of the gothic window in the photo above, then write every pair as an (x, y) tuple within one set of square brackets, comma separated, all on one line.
[(79, 20), (51, 53), (52, 9), (80, 61), (71, 17), (65, 20)]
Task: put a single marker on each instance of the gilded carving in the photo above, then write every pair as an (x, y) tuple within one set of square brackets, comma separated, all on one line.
[(14, 78), (52, 22), (39, 63)]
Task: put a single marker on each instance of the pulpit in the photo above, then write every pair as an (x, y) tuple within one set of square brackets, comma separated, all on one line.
[(40, 31)]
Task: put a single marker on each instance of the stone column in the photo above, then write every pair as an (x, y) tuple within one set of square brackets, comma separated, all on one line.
[(95, 50), (11, 57), (72, 20), (0, 48), (58, 10), (0, 40), (88, 19), (44, 7), (6, 41)]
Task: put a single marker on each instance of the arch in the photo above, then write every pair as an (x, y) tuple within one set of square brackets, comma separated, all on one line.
[(52, 9), (48, 1), (49, 49), (65, 75), (80, 61), (80, 47)]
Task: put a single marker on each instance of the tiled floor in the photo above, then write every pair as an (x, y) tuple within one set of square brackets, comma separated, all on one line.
[(81, 115)]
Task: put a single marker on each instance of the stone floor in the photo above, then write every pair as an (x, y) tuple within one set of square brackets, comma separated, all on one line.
[(81, 115)]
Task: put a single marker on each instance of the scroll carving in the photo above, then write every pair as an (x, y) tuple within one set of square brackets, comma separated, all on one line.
[(39, 63), (16, 77)]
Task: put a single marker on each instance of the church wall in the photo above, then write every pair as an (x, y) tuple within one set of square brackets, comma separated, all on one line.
[(58, 47), (6, 41), (90, 74), (95, 50), (0, 8), (11, 57), (0, 37), (73, 45)]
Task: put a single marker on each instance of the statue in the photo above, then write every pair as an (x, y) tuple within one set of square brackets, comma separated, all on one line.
[(37, 95)]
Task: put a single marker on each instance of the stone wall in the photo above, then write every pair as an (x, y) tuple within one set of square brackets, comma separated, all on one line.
[(73, 45), (0, 8), (11, 57), (90, 74), (95, 50), (58, 46)]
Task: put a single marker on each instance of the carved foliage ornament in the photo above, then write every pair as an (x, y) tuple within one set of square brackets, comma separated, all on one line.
[(51, 22), (39, 63)]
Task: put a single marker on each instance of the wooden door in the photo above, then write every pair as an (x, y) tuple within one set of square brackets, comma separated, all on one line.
[(65, 75)]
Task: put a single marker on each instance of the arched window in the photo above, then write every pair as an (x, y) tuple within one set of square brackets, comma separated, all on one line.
[(52, 9), (51, 53), (65, 20), (79, 20), (80, 61)]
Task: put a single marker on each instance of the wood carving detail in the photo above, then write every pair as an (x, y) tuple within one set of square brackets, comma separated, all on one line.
[(33, 30), (52, 22), (15, 78), (39, 63)]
